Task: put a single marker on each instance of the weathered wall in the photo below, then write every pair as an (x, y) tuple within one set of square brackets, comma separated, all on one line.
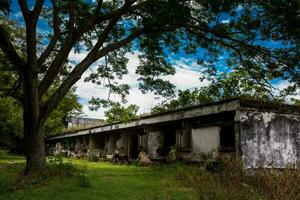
[(122, 142), (155, 144), (205, 140), (183, 138), (93, 143), (269, 139), (143, 142), (110, 145)]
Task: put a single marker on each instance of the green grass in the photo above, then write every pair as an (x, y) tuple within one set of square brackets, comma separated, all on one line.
[(164, 181), (108, 181)]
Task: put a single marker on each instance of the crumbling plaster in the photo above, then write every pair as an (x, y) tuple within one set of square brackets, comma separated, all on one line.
[(269, 139)]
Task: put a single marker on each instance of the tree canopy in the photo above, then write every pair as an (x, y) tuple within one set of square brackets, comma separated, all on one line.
[(119, 113), (11, 112), (258, 37)]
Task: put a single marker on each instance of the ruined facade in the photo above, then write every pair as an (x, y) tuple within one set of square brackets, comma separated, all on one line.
[(263, 135)]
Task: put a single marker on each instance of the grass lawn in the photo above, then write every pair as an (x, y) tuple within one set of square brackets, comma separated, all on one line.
[(108, 181), (163, 181)]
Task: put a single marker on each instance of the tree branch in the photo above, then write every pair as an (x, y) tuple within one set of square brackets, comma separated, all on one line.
[(10, 51), (14, 91), (55, 37), (75, 75), (62, 55), (37, 9), (24, 9)]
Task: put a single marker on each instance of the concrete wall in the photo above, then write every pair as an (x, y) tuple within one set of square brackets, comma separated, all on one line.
[(205, 140), (269, 139), (93, 143), (183, 138), (155, 144), (110, 145), (122, 142), (143, 142)]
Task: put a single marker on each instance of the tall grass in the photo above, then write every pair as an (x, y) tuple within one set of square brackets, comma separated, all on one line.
[(233, 182)]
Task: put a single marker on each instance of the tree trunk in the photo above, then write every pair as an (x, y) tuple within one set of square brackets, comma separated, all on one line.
[(33, 134), (35, 151)]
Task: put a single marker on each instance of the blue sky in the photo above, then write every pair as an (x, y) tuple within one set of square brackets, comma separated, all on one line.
[(186, 77)]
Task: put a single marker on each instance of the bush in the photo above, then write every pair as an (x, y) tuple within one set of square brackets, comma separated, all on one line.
[(3, 153), (83, 180), (93, 158), (215, 166), (58, 166)]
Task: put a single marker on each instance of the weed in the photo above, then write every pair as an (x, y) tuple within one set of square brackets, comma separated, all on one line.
[(226, 179)]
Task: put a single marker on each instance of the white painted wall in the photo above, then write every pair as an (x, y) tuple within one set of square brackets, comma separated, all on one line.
[(205, 140)]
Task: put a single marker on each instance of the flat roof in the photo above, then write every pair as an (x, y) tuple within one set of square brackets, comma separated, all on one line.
[(185, 113)]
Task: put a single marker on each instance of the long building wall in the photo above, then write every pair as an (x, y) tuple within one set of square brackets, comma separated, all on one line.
[(263, 137)]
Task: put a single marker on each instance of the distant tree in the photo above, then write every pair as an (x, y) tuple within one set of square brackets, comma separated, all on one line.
[(11, 127), (257, 36), (224, 86), (119, 113)]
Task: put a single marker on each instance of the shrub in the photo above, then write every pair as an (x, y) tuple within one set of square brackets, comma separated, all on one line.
[(83, 180), (215, 166), (3, 187), (57, 166), (93, 158), (3, 153)]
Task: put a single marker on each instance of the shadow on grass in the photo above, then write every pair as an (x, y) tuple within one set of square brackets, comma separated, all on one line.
[(108, 181)]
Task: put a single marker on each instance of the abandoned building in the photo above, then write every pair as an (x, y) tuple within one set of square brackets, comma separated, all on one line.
[(74, 122), (264, 135)]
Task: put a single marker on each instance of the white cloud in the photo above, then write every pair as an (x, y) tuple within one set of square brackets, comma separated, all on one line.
[(281, 85), (225, 21), (185, 78)]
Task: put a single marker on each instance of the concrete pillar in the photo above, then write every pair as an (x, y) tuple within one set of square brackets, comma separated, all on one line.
[(122, 142), (110, 146), (93, 142), (143, 142), (77, 144), (155, 144), (85, 140)]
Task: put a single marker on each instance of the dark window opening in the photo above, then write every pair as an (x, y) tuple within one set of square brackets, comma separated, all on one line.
[(169, 141), (134, 146), (227, 139)]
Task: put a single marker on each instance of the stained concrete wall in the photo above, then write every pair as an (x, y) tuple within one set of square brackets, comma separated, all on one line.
[(110, 145), (143, 142), (155, 144), (269, 139), (205, 140), (183, 138), (93, 143), (122, 142)]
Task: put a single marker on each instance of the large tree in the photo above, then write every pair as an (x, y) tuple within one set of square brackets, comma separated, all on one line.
[(257, 36), (11, 111)]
